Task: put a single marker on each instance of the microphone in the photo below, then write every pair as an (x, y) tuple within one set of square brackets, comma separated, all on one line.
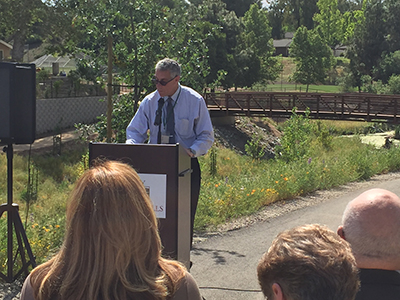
[(157, 120)]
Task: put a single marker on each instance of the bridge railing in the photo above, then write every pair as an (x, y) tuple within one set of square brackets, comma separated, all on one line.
[(352, 106)]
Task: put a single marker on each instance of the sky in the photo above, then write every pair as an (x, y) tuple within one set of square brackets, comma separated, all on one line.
[(264, 3)]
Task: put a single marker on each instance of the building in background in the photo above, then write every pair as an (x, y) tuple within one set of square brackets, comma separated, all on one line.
[(5, 50)]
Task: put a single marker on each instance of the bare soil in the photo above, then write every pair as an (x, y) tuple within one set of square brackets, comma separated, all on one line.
[(244, 130)]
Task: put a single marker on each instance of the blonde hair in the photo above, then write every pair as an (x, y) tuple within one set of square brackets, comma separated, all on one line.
[(112, 249)]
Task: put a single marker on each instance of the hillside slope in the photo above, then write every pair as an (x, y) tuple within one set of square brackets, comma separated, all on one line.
[(236, 136)]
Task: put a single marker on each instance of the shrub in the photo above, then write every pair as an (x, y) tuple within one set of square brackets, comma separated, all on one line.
[(254, 147), (394, 84), (296, 138), (42, 75), (122, 113)]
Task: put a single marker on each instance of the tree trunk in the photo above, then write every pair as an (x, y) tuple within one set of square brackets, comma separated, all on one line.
[(18, 46)]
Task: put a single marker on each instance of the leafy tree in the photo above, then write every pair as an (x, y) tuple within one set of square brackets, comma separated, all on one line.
[(349, 6), (307, 12), (350, 20), (184, 39), (299, 13), (368, 41), (329, 22), (220, 36), (289, 15), (296, 139), (142, 32), (232, 29), (18, 20), (132, 32), (389, 65), (276, 15), (121, 116), (394, 84), (255, 53), (241, 6), (393, 24), (312, 56)]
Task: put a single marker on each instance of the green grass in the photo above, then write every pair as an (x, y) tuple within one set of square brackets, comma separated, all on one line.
[(282, 84), (243, 185), (240, 186), (354, 127), (287, 87), (45, 221)]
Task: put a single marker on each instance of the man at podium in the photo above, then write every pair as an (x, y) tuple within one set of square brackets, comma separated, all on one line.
[(174, 113)]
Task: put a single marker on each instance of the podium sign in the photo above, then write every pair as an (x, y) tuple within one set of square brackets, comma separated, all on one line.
[(165, 172)]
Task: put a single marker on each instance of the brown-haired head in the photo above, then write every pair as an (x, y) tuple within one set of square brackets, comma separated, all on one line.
[(308, 262)]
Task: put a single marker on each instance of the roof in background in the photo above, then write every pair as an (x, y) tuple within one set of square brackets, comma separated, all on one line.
[(283, 43), (289, 35), (6, 44), (46, 61)]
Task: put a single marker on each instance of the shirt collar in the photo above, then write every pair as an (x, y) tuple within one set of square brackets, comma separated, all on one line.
[(175, 95)]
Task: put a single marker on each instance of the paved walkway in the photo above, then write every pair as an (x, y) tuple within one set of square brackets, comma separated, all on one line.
[(47, 141)]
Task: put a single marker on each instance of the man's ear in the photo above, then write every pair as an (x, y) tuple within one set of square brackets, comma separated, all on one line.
[(340, 232), (277, 290)]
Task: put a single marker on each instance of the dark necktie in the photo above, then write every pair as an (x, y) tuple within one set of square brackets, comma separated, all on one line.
[(170, 121), (157, 120)]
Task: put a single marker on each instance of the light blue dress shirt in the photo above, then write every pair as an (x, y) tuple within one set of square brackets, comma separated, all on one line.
[(193, 127)]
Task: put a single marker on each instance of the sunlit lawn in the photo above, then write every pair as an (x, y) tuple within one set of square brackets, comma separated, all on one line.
[(286, 87)]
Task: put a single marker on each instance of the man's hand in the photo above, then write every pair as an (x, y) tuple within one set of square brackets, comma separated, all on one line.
[(190, 152)]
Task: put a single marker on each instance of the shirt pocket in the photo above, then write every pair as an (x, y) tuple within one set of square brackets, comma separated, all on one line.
[(185, 127)]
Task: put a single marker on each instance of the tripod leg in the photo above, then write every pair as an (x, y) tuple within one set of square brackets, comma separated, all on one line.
[(21, 234), (22, 240), (20, 250), (4, 208)]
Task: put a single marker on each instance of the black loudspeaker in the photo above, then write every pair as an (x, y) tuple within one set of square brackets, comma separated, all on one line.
[(17, 103)]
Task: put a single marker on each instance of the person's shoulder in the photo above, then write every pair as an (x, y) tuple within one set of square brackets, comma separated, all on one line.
[(187, 288), (153, 96), (149, 100), (188, 91), (373, 275), (189, 279), (27, 290)]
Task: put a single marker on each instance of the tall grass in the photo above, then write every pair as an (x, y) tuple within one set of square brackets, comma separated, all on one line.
[(45, 224), (233, 185), (243, 185)]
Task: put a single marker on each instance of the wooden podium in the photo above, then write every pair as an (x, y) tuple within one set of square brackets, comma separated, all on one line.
[(165, 171)]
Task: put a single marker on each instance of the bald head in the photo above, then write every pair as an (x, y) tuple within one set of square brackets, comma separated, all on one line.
[(371, 224)]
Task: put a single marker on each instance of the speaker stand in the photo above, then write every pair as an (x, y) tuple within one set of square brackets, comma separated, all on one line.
[(14, 222)]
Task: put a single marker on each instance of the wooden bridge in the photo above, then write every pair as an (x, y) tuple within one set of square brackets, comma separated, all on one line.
[(349, 106)]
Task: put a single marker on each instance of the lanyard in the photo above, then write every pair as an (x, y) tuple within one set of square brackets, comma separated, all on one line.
[(173, 107)]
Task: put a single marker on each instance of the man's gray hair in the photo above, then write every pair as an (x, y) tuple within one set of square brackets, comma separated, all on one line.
[(170, 65)]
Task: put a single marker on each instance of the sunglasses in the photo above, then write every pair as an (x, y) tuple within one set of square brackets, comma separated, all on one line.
[(162, 82)]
